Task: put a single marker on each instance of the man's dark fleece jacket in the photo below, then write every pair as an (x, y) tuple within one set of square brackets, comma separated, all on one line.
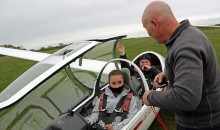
[(193, 73)]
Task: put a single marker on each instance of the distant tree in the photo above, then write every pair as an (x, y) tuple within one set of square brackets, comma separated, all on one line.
[(21, 47), (42, 49), (217, 24), (50, 48), (61, 44), (14, 47), (33, 50)]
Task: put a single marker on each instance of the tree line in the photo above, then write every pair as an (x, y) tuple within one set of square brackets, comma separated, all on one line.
[(61, 45)]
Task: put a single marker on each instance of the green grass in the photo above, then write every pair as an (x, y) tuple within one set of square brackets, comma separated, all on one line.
[(11, 68), (214, 36), (134, 46)]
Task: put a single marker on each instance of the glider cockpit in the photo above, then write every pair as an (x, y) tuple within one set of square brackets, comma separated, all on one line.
[(52, 86), (63, 82)]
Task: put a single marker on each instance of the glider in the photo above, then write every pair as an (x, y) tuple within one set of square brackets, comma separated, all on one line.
[(63, 87)]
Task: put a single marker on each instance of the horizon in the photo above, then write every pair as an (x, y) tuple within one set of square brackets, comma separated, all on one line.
[(134, 34)]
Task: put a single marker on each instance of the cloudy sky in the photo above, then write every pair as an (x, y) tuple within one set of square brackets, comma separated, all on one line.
[(38, 23)]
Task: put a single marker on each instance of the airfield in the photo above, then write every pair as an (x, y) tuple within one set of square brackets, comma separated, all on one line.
[(11, 68)]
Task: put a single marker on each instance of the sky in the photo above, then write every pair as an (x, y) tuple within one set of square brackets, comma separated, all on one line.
[(40, 23)]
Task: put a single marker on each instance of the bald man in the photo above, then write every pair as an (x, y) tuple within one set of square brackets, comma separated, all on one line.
[(191, 68)]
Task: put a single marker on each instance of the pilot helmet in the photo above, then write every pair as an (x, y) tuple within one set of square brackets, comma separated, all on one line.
[(144, 56)]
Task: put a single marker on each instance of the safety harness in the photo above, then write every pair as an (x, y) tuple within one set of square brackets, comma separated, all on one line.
[(121, 108)]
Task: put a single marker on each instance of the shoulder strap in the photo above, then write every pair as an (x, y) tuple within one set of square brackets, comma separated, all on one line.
[(127, 102), (102, 107), (116, 110), (123, 104), (102, 103), (126, 105)]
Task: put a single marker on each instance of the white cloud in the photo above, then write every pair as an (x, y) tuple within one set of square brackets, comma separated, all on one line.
[(38, 23)]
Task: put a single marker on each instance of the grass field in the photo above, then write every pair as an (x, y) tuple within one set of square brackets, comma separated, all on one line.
[(11, 68)]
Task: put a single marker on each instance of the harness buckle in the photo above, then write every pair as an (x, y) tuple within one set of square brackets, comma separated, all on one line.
[(104, 109), (117, 110)]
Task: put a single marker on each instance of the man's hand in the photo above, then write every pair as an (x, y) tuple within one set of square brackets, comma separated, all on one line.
[(146, 102), (160, 77), (109, 127), (89, 122), (121, 49)]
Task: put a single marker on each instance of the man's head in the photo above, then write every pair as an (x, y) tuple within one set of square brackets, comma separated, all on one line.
[(159, 21), (144, 60), (116, 79)]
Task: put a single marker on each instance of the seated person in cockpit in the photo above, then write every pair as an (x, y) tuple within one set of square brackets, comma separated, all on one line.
[(144, 64), (116, 105)]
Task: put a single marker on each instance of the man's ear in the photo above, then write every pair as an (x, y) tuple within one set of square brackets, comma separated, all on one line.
[(154, 22)]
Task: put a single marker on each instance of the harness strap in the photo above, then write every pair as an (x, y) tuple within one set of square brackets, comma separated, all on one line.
[(123, 105), (103, 101), (102, 107), (126, 103), (116, 110)]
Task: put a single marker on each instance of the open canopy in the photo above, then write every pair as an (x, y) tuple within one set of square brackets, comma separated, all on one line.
[(55, 84)]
